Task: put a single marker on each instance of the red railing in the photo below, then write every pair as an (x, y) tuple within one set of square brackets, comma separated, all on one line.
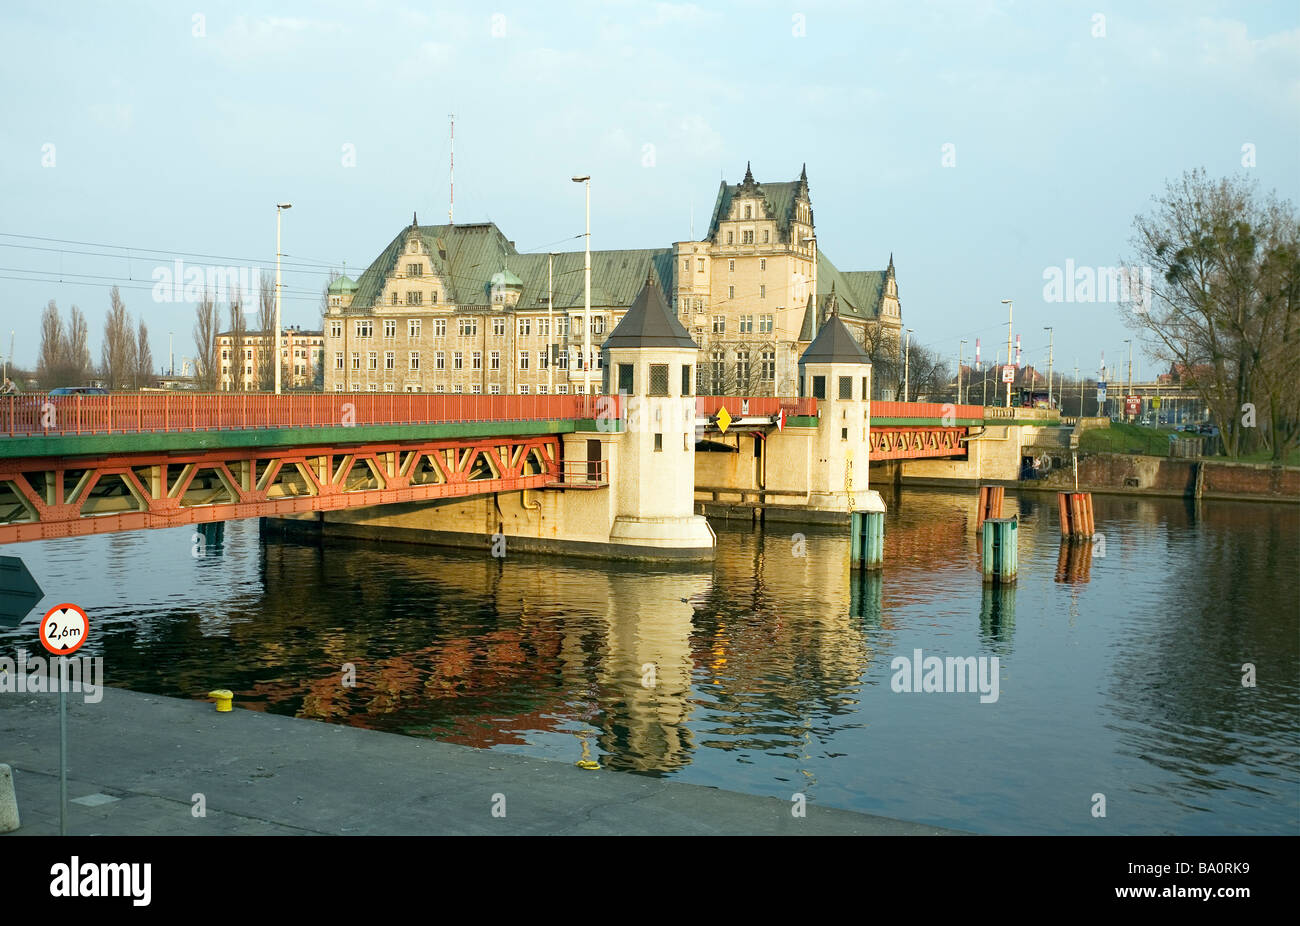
[(934, 410), (128, 413), (754, 406)]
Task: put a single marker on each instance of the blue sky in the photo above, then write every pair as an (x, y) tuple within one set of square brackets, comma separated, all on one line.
[(178, 127)]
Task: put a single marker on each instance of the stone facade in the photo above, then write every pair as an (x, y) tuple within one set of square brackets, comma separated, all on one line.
[(456, 309), (301, 354)]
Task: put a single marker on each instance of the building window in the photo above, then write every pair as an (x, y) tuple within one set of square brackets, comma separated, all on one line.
[(561, 358), (731, 266), (372, 387), (457, 361), (719, 324), (525, 327), (413, 328), (749, 212), (523, 359), (730, 238), (433, 297), (686, 265), (819, 387), (731, 292), (742, 371), (338, 360), (494, 389), (561, 390), (440, 388), (457, 389), (390, 328), (766, 236), (498, 327), (562, 326), (765, 324), (700, 264), (717, 371), (388, 387), (393, 300), (746, 324), (476, 360), (626, 378), (846, 387), (762, 290), (372, 360), (468, 327), (659, 379), (659, 443), (543, 358), (365, 328), (440, 360), (390, 360), (338, 387), (356, 360), (414, 298), (414, 270), (476, 389), (544, 327), (523, 389), (440, 327), (598, 324), (686, 379), (767, 365), (762, 261), (494, 360), (415, 360), (336, 329)]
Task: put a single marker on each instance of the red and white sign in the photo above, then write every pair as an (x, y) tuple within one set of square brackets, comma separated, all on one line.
[(780, 420), (1008, 374), (1132, 404), (64, 628)]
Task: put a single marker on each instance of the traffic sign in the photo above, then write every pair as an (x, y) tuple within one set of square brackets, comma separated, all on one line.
[(724, 419), (1155, 402), (64, 628), (1008, 374), (1132, 404), (780, 420), (19, 592)]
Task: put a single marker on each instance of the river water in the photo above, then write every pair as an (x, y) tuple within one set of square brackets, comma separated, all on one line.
[(1120, 664)]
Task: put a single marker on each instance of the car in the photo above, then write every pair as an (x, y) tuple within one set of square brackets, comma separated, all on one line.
[(1209, 429), (79, 390)]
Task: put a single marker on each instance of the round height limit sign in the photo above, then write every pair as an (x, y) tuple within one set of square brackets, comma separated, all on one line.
[(64, 628)]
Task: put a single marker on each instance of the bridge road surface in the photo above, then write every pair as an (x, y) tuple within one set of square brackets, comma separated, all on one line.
[(137, 760)]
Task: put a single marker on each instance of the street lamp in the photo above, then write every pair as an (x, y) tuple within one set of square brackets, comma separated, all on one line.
[(1007, 303), (907, 360), (960, 353), (1129, 391), (586, 319), (279, 210), (1051, 336)]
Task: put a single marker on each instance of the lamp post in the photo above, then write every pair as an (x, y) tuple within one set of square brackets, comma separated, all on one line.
[(907, 361), (1051, 340), (586, 302), (1076, 376), (275, 349), (171, 353), (1007, 303), (960, 353), (1129, 390)]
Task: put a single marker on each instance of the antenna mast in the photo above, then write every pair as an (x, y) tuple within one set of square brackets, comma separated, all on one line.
[(451, 176)]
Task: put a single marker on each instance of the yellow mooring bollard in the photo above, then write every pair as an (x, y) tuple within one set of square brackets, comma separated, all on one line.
[(223, 697)]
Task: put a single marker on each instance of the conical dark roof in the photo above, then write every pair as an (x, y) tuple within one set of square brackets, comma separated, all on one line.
[(650, 323), (834, 344)]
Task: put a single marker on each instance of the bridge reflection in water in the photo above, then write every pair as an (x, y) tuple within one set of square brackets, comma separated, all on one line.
[(771, 666)]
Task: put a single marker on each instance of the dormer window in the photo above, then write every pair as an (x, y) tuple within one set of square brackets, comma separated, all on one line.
[(749, 212)]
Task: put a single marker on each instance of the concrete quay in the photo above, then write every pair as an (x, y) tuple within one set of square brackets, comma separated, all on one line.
[(138, 764)]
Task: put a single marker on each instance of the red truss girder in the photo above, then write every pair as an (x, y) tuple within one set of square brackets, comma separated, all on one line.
[(405, 472), (900, 443)]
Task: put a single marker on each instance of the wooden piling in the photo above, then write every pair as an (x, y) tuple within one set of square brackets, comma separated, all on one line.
[(1076, 514), (990, 505)]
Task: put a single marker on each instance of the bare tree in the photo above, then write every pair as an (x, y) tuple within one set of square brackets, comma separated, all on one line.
[(1222, 302), (49, 364), (77, 358), (118, 354), (144, 365), (205, 343), (266, 327), (238, 342)]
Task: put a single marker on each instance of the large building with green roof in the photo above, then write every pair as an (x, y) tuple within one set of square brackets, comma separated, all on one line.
[(457, 309)]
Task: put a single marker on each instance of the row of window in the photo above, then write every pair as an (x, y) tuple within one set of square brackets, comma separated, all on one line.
[(817, 386), (721, 380), (248, 353), (466, 327), (731, 263), (746, 323), (457, 389), (561, 358)]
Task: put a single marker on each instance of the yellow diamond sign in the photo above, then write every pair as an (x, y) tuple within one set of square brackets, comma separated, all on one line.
[(724, 420)]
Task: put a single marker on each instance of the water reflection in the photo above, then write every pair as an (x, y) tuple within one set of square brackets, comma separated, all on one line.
[(768, 671)]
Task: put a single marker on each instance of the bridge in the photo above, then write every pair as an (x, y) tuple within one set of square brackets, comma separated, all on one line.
[(75, 465)]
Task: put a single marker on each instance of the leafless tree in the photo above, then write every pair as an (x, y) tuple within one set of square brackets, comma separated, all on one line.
[(206, 366), (49, 365), (238, 342), (77, 360), (1222, 303), (266, 327), (118, 354), (145, 372)]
